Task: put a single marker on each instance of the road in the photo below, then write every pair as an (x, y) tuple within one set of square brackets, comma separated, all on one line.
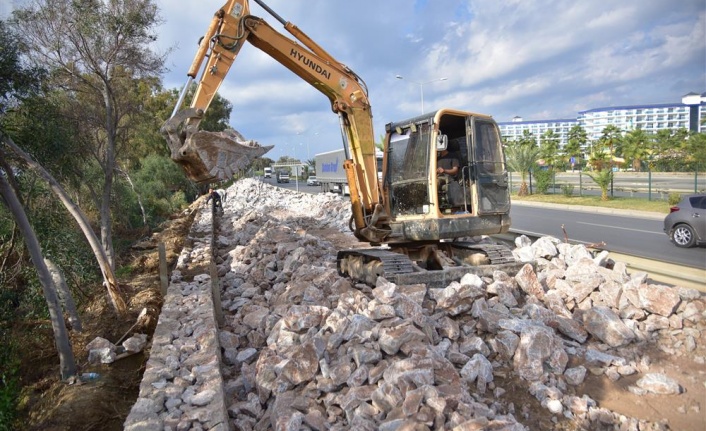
[(630, 234)]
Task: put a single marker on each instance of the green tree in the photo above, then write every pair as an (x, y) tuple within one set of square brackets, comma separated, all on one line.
[(61, 339), (576, 141), (94, 50), (602, 156), (527, 139), (549, 148), (602, 151), (635, 147), (603, 179), (17, 81), (670, 149), (157, 180), (261, 162), (695, 148), (521, 159)]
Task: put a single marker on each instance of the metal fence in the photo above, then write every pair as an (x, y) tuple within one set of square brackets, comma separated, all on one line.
[(648, 185)]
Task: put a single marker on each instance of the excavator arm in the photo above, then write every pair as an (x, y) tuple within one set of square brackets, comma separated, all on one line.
[(230, 28)]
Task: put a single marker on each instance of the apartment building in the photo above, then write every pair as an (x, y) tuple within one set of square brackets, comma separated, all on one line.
[(514, 129), (689, 114)]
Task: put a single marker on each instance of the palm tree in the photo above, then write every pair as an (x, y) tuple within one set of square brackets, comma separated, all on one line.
[(635, 147), (521, 158), (576, 141), (602, 158), (602, 179)]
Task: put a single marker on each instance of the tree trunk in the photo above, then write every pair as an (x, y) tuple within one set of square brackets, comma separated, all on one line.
[(106, 223), (109, 280), (139, 198), (65, 297), (604, 194), (67, 363), (106, 220)]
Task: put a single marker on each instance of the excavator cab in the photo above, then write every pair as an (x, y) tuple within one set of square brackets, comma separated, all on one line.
[(423, 205), (429, 219)]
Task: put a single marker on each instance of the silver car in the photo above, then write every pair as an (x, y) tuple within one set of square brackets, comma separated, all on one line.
[(686, 223)]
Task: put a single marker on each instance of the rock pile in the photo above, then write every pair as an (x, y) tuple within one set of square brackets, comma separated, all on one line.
[(304, 348)]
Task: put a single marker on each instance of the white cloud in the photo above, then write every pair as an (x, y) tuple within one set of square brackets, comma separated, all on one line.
[(536, 59)]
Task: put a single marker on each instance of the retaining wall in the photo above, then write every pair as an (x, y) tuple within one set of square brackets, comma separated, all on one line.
[(182, 386)]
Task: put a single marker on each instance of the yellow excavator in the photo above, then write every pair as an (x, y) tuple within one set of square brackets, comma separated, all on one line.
[(417, 218)]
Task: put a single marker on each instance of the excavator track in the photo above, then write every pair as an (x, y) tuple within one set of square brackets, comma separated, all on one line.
[(392, 263), (367, 265), (497, 254)]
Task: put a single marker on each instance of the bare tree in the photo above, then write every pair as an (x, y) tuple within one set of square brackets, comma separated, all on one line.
[(95, 49), (67, 362)]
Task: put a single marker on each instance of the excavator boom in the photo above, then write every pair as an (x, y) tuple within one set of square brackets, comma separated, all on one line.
[(205, 157)]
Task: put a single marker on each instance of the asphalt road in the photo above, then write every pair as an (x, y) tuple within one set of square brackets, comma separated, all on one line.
[(621, 231), (638, 234)]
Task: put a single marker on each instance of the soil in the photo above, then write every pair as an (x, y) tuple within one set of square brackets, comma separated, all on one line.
[(686, 411), (49, 404)]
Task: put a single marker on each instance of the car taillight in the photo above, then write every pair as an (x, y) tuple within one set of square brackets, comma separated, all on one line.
[(673, 209)]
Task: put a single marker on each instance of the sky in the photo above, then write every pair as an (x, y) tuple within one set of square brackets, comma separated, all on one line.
[(537, 59)]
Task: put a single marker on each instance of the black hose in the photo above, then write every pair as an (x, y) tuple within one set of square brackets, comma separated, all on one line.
[(271, 12)]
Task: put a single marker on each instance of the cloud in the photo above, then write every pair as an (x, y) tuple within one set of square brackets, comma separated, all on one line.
[(538, 59)]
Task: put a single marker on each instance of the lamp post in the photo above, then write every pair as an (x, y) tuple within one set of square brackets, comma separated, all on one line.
[(421, 86)]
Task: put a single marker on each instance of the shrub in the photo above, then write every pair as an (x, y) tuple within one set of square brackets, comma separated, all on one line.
[(567, 189), (544, 180), (674, 199)]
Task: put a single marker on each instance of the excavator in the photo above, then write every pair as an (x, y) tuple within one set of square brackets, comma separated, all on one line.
[(419, 221)]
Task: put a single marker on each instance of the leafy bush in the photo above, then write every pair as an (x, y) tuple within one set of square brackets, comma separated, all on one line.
[(567, 189), (544, 180), (674, 198)]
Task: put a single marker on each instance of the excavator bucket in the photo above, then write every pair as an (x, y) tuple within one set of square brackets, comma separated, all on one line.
[(208, 156)]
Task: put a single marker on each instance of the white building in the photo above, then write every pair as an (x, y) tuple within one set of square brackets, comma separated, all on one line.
[(516, 128), (689, 114)]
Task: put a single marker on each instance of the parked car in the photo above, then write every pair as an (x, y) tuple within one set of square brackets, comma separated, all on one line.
[(686, 223), (312, 181)]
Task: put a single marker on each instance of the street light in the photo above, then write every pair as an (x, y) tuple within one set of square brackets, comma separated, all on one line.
[(421, 86)]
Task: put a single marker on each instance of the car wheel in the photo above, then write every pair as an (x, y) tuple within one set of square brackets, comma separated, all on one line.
[(683, 236)]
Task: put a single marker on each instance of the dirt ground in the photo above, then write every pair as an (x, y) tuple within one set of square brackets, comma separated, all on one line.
[(686, 411), (47, 403), (103, 404)]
